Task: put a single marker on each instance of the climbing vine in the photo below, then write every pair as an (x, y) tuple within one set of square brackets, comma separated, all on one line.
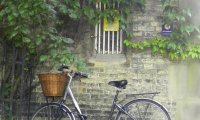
[(179, 44), (167, 47), (31, 33), (33, 25)]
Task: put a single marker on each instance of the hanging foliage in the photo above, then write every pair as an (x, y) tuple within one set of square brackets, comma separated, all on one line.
[(31, 24), (29, 31)]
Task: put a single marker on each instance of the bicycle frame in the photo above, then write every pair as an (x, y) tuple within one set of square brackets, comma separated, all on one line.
[(126, 109), (114, 106), (68, 91), (119, 107)]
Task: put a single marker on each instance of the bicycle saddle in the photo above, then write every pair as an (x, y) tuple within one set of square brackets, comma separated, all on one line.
[(119, 84)]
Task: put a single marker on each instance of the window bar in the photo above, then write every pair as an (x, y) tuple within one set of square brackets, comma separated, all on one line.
[(113, 38), (99, 40), (104, 42), (113, 35), (104, 36), (95, 43), (95, 35), (108, 42), (120, 41), (118, 37), (117, 42)]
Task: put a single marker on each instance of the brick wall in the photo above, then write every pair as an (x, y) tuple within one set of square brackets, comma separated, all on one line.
[(145, 72)]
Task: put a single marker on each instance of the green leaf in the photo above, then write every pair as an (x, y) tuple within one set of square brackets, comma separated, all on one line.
[(127, 42), (188, 12), (13, 34), (22, 11), (194, 55), (73, 15), (10, 18), (171, 46), (15, 14), (180, 18), (38, 41), (146, 43), (26, 40), (89, 12), (197, 29), (76, 4), (184, 56), (63, 9), (68, 40), (25, 31), (155, 49), (55, 2), (43, 58)]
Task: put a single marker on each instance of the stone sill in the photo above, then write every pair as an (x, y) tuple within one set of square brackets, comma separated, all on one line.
[(107, 59)]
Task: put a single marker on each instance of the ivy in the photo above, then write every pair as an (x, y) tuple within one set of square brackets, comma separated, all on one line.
[(31, 25), (178, 45), (33, 29), (166, 47)]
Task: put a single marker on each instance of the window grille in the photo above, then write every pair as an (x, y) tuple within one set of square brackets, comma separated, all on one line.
[(107, 42)]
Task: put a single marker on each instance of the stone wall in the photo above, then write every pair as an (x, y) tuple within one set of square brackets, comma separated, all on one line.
[(145, 72), (146, 24)]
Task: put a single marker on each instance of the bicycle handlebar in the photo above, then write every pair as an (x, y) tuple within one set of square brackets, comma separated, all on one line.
[(80, 74), (64, 68)]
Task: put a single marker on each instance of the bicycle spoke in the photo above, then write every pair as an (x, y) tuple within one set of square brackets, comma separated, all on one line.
[(144, 109), (145, 112), (52, 112)]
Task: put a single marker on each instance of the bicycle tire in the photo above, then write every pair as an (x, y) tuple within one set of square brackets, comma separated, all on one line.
[(53, 111), (143, 109)]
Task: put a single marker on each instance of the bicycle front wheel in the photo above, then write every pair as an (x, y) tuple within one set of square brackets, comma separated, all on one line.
[(143, 109), (53, 111)]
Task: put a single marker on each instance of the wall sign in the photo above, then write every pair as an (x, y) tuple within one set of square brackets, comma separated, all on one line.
[(167, 29)]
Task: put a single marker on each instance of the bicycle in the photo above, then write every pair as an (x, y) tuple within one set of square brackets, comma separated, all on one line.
[(136, 109)]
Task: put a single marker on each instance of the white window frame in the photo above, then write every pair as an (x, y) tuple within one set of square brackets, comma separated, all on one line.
[(107, 42)]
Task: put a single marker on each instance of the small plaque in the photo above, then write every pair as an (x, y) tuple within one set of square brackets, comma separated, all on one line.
[(167, 29)]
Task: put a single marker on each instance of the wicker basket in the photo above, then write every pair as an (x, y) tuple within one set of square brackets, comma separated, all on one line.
[(53, 84)]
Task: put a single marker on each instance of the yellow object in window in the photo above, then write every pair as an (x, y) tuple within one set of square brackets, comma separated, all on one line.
[(111, 26)]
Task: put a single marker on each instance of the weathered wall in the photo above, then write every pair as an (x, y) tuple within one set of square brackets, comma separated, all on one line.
[(177, 83), (184, 89), (145, 72), (184, 78)]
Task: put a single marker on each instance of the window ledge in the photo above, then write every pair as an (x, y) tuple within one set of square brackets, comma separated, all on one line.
[(108, 59)]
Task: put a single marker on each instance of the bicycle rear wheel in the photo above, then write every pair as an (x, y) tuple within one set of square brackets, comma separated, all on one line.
[(53, 111), (143, 109)]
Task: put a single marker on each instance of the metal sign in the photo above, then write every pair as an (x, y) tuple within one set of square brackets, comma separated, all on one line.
[(167, 29)]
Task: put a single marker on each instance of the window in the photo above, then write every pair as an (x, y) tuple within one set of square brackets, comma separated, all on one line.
[(107, 42)]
